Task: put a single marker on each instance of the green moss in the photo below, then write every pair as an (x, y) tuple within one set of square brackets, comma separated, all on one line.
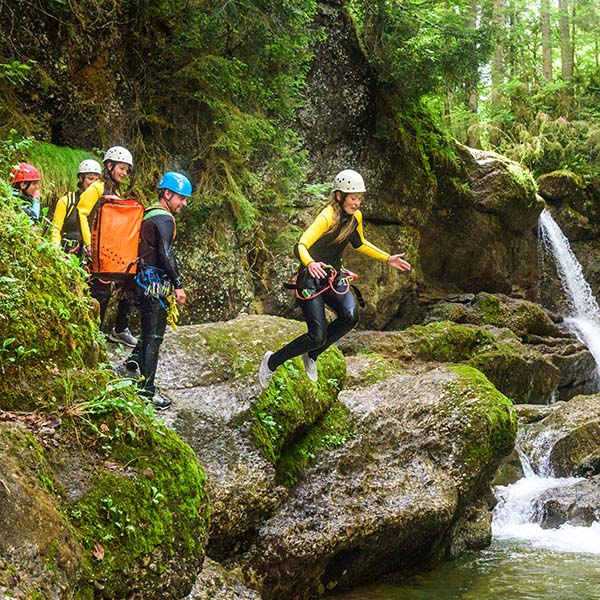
[(334, 430), (379, 368), (523, 177), (525, 379), (445, 341), (491, 311), (493, 428), (234, 346), (292, 404), (52, 554), (153, 505), (40, 291)]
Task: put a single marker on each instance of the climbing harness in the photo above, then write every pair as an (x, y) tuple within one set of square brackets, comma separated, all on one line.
[(155, 285), (307, 288)]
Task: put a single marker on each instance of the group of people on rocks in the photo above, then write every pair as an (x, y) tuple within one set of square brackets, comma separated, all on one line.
[(320, 281), (156, 252)]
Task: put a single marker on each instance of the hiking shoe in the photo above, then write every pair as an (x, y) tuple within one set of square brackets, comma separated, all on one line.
[(160, 402), (310, 366), (264, 373), (123, 337)]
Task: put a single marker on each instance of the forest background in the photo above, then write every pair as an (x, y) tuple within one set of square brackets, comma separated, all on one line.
[(213, 87)]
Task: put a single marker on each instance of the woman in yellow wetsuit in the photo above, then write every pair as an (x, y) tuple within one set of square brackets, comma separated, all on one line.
[(66, 225), (118, 162), (320, 248)]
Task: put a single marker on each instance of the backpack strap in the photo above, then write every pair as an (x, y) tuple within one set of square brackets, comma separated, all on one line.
[(72, 201), (155, 209)]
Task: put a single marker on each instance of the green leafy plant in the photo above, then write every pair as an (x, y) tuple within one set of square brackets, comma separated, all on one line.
[(13, 354), (117, 414)]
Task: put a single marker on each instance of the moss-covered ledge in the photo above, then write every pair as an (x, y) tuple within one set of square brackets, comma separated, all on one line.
[(113, 501), (520, 372), (494, 426), (47, 319)]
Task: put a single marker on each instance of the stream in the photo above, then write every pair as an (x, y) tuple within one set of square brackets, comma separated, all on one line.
[(524, 561)]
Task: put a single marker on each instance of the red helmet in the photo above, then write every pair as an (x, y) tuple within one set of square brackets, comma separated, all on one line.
[(24, 172)]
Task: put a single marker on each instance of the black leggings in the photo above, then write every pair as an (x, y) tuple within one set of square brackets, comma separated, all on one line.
[(320, 334), (102, 291), (154, 323)]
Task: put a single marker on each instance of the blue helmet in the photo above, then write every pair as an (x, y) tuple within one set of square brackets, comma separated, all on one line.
[(176, 182)]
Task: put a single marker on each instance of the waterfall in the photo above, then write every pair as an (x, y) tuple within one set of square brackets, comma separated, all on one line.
[(584, 313), (515, 514)]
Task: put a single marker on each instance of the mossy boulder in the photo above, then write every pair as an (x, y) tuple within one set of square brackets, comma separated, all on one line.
[(40, 549), (47, 319), (498, 201), (252, 442), (517, 370), (522, 317), (394, 496), (105, 501), (565, 443)]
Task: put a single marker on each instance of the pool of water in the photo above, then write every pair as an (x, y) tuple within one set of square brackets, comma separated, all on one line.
[(507, 570)]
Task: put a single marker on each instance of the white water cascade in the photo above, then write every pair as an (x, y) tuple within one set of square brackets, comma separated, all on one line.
[(514, 516), (584, 313)]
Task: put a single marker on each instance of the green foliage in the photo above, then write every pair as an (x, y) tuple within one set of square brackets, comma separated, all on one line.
[(14, 72), (291, 405), (12, 149), (39, 291), (116, 414), (421, 47), (546, 144), (57, 165), (239, 68)]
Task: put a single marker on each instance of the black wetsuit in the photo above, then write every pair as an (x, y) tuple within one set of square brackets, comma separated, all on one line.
[(157, 254)]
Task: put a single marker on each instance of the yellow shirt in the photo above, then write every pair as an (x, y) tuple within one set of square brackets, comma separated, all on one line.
[(58, 219), (322, 224)]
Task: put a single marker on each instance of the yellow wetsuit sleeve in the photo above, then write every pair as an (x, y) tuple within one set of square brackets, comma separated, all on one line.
[(366, 247), (87, 201), (318, 227), (58, 219)]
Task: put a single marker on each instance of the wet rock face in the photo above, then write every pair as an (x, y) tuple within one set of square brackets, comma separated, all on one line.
[(575, 207), (548, 364), (565, 443), (577, 505), (34, 532), (501, 206), (381, 502)]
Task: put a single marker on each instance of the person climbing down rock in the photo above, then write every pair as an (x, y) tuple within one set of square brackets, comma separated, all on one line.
[(159, 284), (322, 280)]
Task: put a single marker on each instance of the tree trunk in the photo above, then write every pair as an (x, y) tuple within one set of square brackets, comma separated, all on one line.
[(546, 41), (566, 49), (473, 129), (497, 68)]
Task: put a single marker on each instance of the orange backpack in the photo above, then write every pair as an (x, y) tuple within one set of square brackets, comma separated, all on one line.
[(115, 237)]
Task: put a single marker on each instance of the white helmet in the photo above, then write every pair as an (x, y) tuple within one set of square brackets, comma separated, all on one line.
[(349, 182), (118, 154), (89, 166)]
